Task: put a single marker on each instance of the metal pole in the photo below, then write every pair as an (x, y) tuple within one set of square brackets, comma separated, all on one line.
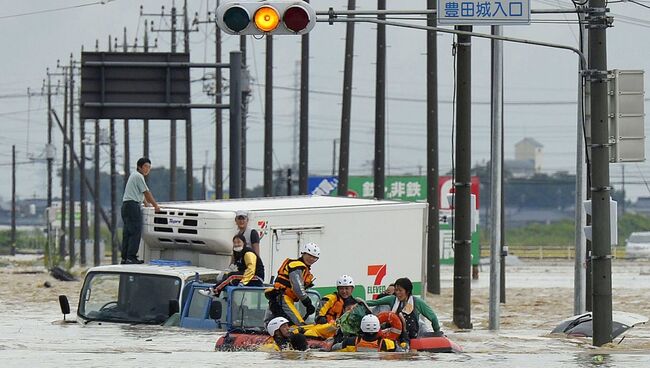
[(344, 154), (83, 219), (289, 182), (145, 127), (218, 119), (13, 200), (496, 161), (48, 151), (113, 148), (600, 185), (303, 162), (244, 117), (127, 140), (380, 106), (433, 234), (462, 221), (64, 171), (189, 165), (503, 247), (96, 229), (334, 156), (71, 191), (235, 123), (579, 278), (172, 127), (268, 120)]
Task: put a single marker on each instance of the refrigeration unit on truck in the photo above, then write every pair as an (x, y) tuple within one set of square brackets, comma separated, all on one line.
[(374, 241)]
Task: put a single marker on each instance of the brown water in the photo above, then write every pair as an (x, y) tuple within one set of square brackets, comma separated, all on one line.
[(538, 297)]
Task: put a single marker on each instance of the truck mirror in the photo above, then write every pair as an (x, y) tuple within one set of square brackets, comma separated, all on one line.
[(173, 307), (64, 304), (215, 310)]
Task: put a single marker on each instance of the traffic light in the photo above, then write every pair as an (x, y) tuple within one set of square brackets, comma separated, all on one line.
[(272, 17)]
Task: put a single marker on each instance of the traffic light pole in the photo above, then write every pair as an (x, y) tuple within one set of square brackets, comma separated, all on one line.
[(303, 150), (600, 185), (268, 120)]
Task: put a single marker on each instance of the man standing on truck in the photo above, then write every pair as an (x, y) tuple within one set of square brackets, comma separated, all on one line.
[(136, 192), (250, 234), (294, 277)]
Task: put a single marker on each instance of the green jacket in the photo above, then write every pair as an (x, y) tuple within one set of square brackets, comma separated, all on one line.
[(420, 308)]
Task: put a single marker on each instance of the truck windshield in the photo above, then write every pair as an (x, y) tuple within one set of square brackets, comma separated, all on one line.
[(131, 297)]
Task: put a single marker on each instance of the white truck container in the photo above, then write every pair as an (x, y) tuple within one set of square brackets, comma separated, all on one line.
[(374, 241)]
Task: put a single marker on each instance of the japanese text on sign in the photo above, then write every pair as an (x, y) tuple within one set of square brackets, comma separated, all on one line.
[(490, 12)]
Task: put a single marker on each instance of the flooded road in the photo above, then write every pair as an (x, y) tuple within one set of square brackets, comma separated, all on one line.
[(538, 296)]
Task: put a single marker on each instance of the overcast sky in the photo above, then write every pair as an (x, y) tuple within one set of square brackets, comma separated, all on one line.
[(546, 78)]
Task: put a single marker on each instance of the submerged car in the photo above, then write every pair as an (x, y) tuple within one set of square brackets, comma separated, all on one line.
[(638, 245)]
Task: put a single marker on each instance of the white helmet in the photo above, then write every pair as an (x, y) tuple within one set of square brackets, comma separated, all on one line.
[(311, 249), (370, 323), (345, 280), (275, 324)]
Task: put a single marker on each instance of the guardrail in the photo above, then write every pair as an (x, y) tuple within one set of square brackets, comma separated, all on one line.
[(548, 252)]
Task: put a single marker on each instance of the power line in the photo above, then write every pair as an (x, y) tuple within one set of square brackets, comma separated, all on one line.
[(102, 2)]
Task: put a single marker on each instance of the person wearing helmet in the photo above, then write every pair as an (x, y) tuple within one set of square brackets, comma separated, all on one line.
[(281, 337), (369, 340), (294, 277), (332, 306), (409, 307)]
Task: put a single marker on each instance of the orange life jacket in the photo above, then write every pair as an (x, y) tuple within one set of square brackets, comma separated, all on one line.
[(282, 281), (332, 308)]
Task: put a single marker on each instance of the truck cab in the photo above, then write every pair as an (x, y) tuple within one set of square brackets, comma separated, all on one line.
[(138, 294), (241, 308)]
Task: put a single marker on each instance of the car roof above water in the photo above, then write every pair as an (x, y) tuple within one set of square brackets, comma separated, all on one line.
[(183, 272)]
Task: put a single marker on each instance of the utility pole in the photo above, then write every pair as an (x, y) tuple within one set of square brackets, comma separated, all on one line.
[(64, 165), (145, 126), (289, 182), (244, 114), (218, 118), (235, 123), (97, 203), (580, 267), (462, 220), (13, 200), (496, 161), (303, 163), (127, 143), (623, 189), (268, 119), (344, 154), (112, 149), (83, 219), (71, 204), (172, 127), (189, 177), (433, 238), (380, 106), (49, 151), (600, 185)]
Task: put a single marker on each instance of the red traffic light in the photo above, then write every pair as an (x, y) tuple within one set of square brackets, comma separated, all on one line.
[(296, 18)]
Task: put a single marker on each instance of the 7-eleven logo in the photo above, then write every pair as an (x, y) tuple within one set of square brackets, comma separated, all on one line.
[(379, 271)]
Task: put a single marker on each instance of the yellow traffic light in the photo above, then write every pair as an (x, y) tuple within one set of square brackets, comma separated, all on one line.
[(267, 19)]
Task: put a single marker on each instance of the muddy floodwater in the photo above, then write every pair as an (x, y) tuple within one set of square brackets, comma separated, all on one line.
[(539, 295)]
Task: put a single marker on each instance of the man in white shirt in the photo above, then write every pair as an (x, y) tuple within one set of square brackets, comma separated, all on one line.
[(136, 192)]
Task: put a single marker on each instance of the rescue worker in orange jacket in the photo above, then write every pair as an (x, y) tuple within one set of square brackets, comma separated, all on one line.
[(369, 340), (332, 306), (293, 279)]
